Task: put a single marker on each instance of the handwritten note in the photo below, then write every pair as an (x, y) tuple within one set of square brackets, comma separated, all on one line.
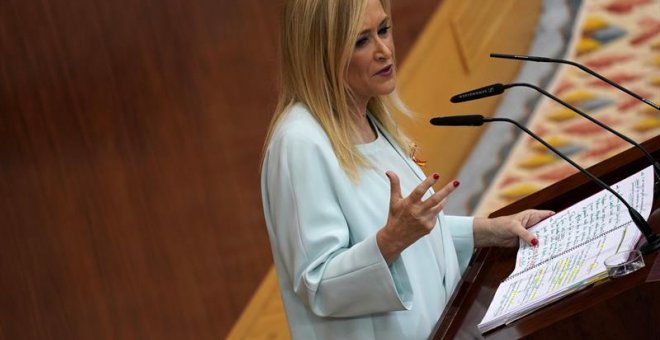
[(572, 247)]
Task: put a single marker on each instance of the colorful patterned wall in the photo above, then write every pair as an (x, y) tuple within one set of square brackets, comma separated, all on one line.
[(619, 39)]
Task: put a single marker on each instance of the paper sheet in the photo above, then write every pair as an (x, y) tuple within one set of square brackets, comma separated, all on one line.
[(573, 245)]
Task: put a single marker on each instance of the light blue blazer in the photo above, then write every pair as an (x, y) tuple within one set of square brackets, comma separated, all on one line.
[(333, 279)]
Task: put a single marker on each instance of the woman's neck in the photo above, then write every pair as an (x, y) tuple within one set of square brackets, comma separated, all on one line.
[(366, 132)]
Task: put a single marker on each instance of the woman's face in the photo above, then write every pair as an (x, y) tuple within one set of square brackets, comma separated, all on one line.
[(371, 70)]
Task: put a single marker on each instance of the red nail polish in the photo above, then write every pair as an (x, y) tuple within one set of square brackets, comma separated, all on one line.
[(456, 184), (436, 176), (535, 242)]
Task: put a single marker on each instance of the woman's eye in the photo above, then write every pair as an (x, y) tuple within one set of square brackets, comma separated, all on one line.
[(361, 42), (384, 30)]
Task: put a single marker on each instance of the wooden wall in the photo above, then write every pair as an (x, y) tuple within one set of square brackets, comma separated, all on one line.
[(451, 56), (130, 137)]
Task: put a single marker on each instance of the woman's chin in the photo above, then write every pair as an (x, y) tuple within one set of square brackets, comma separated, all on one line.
[(389, 90)]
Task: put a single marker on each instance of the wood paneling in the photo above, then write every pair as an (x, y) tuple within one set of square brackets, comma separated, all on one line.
[(130, 138), (451, 57), (474, 26), (129, 166)]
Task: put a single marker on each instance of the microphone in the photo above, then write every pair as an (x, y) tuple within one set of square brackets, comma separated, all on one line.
[(652, 240), (482, 92), (495, 89), (580, 66), (465, 120)]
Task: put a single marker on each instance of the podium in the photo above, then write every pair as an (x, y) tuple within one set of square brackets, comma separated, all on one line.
[(622, 308)]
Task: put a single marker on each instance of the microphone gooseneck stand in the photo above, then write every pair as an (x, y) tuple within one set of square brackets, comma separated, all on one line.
[(497, 89), (581, 67), (652, 240), (656, 165)]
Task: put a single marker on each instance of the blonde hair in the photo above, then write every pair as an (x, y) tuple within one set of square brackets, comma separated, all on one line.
[(317, 38)]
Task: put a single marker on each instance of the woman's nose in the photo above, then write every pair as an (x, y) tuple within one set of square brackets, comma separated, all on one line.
[(383, 52)]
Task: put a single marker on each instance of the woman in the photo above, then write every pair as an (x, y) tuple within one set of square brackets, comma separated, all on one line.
[(361, 246)]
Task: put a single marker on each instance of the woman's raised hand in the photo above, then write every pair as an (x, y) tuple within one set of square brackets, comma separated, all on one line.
[(410, 218)]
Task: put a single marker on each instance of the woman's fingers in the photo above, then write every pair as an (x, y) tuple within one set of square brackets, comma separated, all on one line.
[(419, 191), (412, 211), (440, 195), (536, 216), (395, 186), (527, 236), (528, 219), (533, 217), (435, 210)]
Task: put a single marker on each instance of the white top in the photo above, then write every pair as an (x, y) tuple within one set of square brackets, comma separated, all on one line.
[(333, 279)]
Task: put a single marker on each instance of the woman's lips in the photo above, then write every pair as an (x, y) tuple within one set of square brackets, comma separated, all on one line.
[(385, 72)]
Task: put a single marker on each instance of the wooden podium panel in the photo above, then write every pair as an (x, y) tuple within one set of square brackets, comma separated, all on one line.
[(622, 308)]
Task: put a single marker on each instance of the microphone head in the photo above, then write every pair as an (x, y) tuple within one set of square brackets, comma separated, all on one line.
[(508, 56), (486, 91), (465, 120), (524, 57)]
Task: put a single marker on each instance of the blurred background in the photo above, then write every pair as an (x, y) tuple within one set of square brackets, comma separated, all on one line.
[(130, 142)]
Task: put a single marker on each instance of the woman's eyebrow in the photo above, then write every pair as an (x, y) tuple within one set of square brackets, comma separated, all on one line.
[(379, 25)]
